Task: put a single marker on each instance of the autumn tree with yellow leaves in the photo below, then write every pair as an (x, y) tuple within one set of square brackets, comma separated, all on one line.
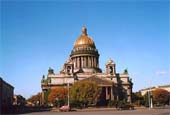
[(161, 96), (58, 96), (85, 92)]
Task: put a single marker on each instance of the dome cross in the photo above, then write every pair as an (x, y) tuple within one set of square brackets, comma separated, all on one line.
[(84, 30)]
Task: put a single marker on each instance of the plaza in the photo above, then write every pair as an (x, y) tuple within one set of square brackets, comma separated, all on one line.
[(108, 112)]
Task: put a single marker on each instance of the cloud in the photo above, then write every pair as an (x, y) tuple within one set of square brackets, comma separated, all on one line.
[(160, 73)]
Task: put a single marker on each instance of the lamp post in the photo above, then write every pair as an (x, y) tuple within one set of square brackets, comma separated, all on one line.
[(151, 102), (150, 97)]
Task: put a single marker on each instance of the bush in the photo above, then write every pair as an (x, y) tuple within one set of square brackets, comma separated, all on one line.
[(112, 103), (59, 103), (76, 104)]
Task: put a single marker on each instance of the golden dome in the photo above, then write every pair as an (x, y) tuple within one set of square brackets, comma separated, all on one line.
[(84, 39)]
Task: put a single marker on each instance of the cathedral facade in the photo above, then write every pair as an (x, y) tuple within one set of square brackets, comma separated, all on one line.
[(83, 64)]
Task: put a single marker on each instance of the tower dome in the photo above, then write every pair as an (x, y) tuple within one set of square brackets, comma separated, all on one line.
[(84, 55), (84, 39)]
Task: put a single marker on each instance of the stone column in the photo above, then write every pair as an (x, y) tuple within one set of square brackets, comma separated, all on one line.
[(95, 62), (108, 93), (89, 61), (117, 93), (112, 95), (86, 61), (129, 95), (85, 64), (76, 61), (80, 62)]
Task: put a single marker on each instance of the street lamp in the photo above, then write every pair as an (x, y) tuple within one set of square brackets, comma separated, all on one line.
[(150, 98), (151, 102)]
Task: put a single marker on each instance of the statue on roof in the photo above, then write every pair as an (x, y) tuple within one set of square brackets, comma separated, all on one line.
[(125, 71), (50, 71), (110, 61)]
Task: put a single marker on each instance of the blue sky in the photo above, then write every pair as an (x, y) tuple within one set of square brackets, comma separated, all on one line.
[(37, 35)]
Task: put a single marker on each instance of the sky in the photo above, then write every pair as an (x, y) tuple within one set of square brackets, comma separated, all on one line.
[(36, 35)]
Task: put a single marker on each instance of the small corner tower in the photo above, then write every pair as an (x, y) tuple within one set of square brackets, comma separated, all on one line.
[(110, 67)]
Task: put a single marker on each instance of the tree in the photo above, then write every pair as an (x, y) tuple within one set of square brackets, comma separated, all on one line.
[(161, 96), (35, 99), (138, 99), (85, 92), (58, 96), (147, 98)]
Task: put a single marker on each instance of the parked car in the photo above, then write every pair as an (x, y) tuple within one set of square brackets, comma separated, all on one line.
[(125, 107), (64, 108)]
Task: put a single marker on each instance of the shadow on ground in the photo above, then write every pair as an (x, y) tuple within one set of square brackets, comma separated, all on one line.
[(22, 110)]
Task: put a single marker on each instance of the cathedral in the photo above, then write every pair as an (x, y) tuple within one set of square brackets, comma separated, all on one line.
[(83, 64)]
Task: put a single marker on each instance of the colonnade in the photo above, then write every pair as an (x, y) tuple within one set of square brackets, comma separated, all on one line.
[(85, 62), (109, 93)]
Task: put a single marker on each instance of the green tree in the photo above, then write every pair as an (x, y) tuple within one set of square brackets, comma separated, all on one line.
[(146, 98), (138, 99), (85, 92)]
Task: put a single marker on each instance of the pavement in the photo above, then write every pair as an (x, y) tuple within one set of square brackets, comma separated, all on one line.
[(107, 112), (95, 109)]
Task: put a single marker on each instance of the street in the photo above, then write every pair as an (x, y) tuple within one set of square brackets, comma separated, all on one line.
[(115, 112)]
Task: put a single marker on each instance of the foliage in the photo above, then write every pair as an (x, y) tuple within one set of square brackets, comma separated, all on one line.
[(85, 93), (111, 103), (35, 98), (58, 96), (146, 98), (76, 104), (138, 99), (46, 93), (161, 96)]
